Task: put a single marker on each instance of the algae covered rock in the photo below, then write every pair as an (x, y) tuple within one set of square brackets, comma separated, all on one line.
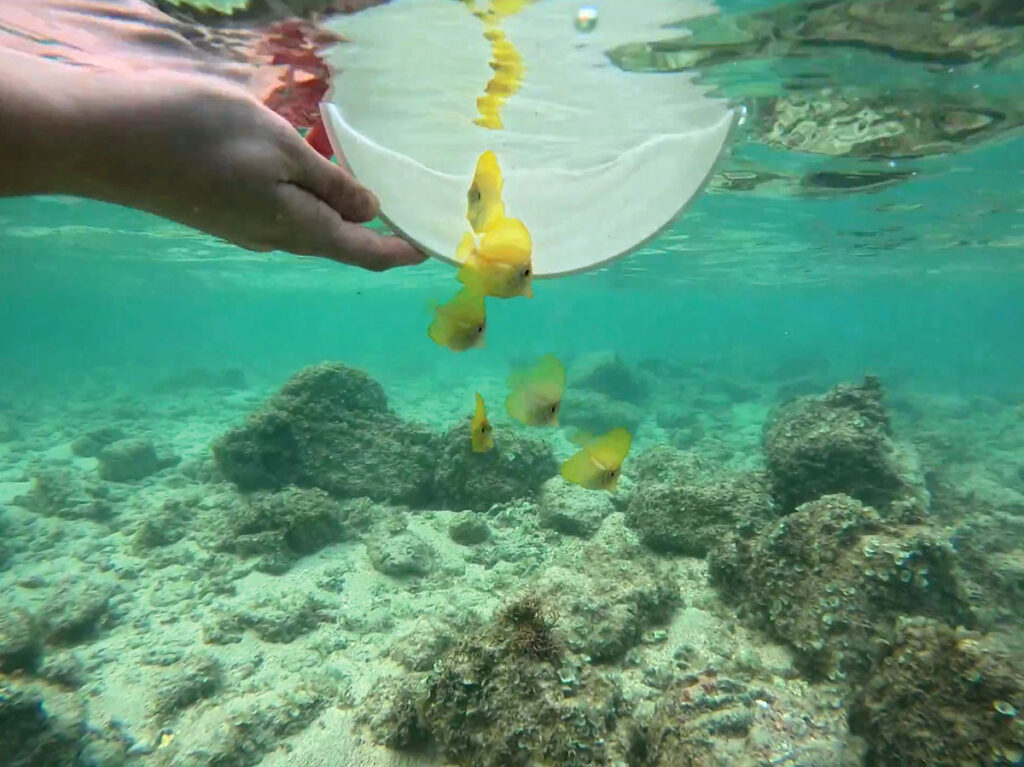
[(401, 554), (708, 718), (20, 640), (35, 729), (127, 460), (77, 610), (831, 579), (506, 696), (678, 506), (571, 509), (469, 529), (186, 683), (92, 442), (60, 493), (604, 602), (941, 695), (607, 374), (277, 618), (838, 443), (596, 413), (279, 527), (244, 728), (330, 427), (516, 468), (989, 550), (167, 524)]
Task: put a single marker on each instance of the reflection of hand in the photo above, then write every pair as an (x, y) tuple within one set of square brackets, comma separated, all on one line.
[(190, 148)]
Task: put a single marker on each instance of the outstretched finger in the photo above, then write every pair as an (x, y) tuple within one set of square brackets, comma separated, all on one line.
[(325, 234), (355, 244)]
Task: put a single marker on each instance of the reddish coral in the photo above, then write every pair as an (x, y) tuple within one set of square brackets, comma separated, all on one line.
[(293, 48)]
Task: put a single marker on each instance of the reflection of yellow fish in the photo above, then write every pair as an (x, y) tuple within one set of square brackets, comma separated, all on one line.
[(480, 432), (484, 197), (507, 78), (500, 265), (460, 324), (597, 465), (489, 107), (536, 394), (508, 7)]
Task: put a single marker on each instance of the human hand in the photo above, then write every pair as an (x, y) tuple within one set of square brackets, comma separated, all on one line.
[(191, 147), (206, 153)]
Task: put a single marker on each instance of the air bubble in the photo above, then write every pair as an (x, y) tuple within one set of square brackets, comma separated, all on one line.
[(586, 18)]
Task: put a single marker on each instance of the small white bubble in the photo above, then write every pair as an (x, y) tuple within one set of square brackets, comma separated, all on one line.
[(586, 18), (892, 163), (743, 114)]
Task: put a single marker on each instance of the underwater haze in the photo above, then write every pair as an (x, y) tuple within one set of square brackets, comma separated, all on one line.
[(242, 523)]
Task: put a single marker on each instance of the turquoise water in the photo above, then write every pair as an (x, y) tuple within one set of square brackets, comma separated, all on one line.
[(930, 294), (727, 606)]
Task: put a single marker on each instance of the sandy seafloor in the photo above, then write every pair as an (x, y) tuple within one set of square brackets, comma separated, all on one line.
[(295, 702)]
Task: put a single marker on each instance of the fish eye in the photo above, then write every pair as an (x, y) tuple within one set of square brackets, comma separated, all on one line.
[(554, 408), (480, 329), (526, 272)]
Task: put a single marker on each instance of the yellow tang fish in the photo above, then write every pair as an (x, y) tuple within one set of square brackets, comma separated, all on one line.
[(597, 465), (500, 265), (536, 394), (484, 196), (481, 432), (461, 323)]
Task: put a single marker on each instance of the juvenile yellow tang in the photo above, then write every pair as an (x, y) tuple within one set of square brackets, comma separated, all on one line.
[(597, 465), (500, 265), (460, 323), (481, 433), (535, 395), (484, 205)]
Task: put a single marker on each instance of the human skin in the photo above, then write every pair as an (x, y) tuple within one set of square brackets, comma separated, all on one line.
[(188, 146)]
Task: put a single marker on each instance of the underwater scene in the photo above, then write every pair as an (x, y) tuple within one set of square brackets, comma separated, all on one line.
[(752, 494)]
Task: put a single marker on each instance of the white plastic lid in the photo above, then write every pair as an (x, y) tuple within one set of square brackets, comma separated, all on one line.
[(595, 160)]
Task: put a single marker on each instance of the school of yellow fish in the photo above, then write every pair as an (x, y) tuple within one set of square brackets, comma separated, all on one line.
[(495, 261)]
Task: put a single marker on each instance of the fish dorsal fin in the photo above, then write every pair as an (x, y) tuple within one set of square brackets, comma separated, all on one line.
[(610, 449), (547, 374), (506, 240), (481, 410)]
